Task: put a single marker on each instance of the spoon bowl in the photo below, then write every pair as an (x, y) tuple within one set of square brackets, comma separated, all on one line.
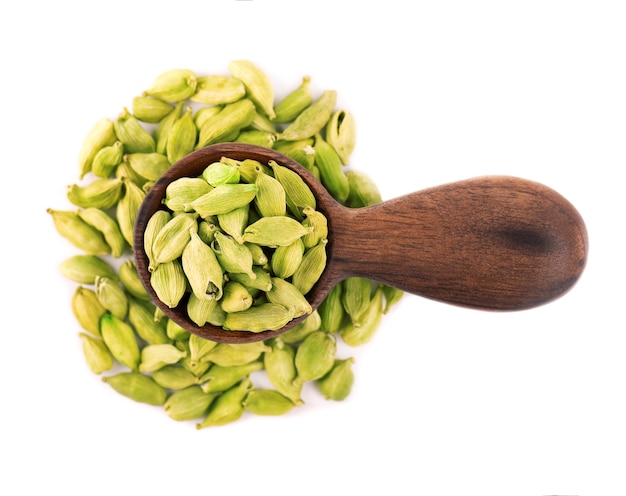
[(492, 243)]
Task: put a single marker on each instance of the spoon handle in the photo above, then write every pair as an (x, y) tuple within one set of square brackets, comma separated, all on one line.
[(494, 242)]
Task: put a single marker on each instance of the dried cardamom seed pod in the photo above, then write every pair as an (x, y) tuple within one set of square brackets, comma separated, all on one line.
[(281, 371), (315, 356), (205, 310), (258, 85), (221, 173), (262, 281), (232, 256), (188, 404), (127, 209), (218, 89), (138, 387), (129, 277), (356, 296), (267, 402), (84, 269), (97, 355), (331, 310), (100, 193), (162, 131), (174, 85), (169, 282), (286, 294), (274, 231), (330, 168), (256, 137), (141, 318), (270, 199), (112, 297), (266, 316), (156, 356), (230, 355), (227, 122), (361, 332), (300, 331), (120, 340), (182, 137), (259, 257), (107, 159), (150, 166), (79, 233), (234, 222), (174, 377), (204, 113), (219, 379), (294, 103), (228, 406), (129, 131), (175, 332), (107, 227), (183, 191), (235, 298), (311, 268), (337, 384), (199, 347), (154, 225), (298, 195), (286, 259), (301, 151), (341, 134), (317, 223), (87, 309), (125, 172), (392, 296), (100, 135), (312, 119), (150, 109), (223, 198), (202, 269), (363, 190), (170, 242)]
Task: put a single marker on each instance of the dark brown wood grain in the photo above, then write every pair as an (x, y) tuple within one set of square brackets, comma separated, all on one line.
[(492, 243)]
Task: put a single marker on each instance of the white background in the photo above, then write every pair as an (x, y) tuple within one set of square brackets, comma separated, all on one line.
[(447, 401)]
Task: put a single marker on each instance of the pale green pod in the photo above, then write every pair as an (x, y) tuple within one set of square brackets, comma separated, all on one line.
[(274, 231), (311, 268), (341, 134), (141, 317), (256, 137), (228, 121), (182, 137), (266, 316), (235, 298), (223, 198), (138, 387), (267, 402), (161, 133), (286, 294), (281, 370), (270, 199), (84, 269), (129, 131), (199, 347), (262, 122), (337, 384), (125, 172), (207, 230), (262, 280), (300, 331), (312, 119), (196, 368), (127, 209), (112, 296), (155, 356), (175, 332), (259, 257), (188, 404), (317, 223), (286, 259), (331, 310), (234, 222), (150, 166), (363, 190), (392, 296), (219, 378), (169, 282), (294, 103), (356, 296), (230, 355), (298, 195), (204, 113), (173, 237), (258, 85), (315, 356), (97, 355), (154, 225), (129, 277), (108, 228), (301, 151), (249, 169), (174, 377), (183, 191), (107, 159), (120, 339), (217, 89), (100, 193), (227, 407), (87, 309), (173, 85), (359, 333), (79, 233), (221, 172), (330, 167), (205, 310), (102, 134), (232, 256), (202, 269), (150, 109)]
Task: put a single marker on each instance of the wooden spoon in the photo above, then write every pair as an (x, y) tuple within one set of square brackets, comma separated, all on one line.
[(491, 243)]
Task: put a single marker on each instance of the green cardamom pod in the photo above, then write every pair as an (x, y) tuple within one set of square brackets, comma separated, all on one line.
[(298, 195), (281, 371), (263, 317), (204, 310), (138, 387), (233, 256), (311, 268), (300, 331), (331, 310), (183, 191), (318, 227), (301, 151), (150, 109), (286, 259), (219, 378), (234, 222), (204, 113), (259, 257), (174, 85), (127, 209), (361, 332), (188, 404), (256, 137), (235, 298), (175, 332), (267, 402), (294, 103), (79, 233), (125, 172), (112, 296), (223, 198), (274, 231), (315, 356), (182, 137), (312, 119), (286, 294), (169, 282), (87, 309), (270, 199), (199, 347), (356, 296), (170, 242), (156, 356), (337, 384), (162, 131), (221, 173), (102, 134), (107, 159), (155, 223), (202, 269), (262, 280), (84, 269), (97, 355), (257, 84), (100, 193), (120, 339), (174, 377), (363, 190), (129, 277), (218, 89), (150, 166), (129, 131), (392, 296), (330, 168), (230, 355), (141, 318), (228, 121), (107, 227), (341, 134), (228, 406)]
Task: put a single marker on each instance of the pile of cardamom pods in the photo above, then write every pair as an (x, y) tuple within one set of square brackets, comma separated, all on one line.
[(140, 352)]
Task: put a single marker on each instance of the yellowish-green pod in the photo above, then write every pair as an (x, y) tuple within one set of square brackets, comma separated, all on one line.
[(267, 402), (286, 259), (222, 172), (298, 195), (120, 339), (235, 298), (230, 355), (129, 131), (150, 166), (331, 310), (162, 131), (363, 190), (263, 317), (170, 242), (274, 231), (156, 356), (87, 309), (79, 233), (84, 269), (258, 85), (219, 378), (312, 119), (222, 199), (189, 403), (127, 209), (217, 89), (341, 134), (356, 296), (129, 277), (150, 109), (234, 222), (100, 193), (202, 269), (227, 407), (107, 159), (183, 191), (330, 167), (205, 310), (357, 334), (281, 371), (169, 282), (286, 294), (173, 85), (102, 134), (270, 199), (107, 226), (315, 356), (233, 256), (294, 103), (157, 221), (337, 384), (97, 355), (174, 377), (141, 317), (199, 347), (228, 121), (182, 137), (112, 297), (318, 227), (300, 331), (311, 268), (138, 387)]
